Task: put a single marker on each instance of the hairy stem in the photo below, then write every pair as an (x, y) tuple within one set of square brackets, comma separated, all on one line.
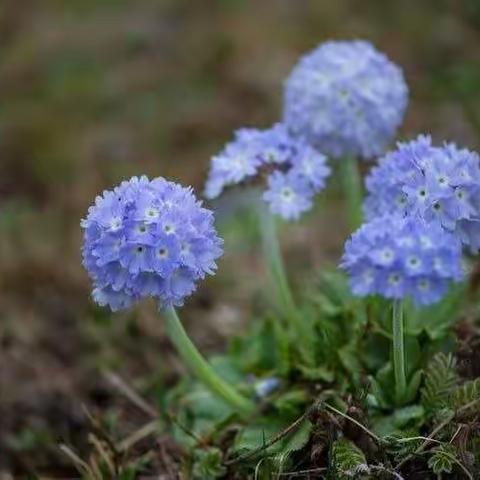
[(399, 350), (201, 368)]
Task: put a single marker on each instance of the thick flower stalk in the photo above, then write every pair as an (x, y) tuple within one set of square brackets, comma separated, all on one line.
[(439, 184), (152, 238), (295, 171), (398, 257)]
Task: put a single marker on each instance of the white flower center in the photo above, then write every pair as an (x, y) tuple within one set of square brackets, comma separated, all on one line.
[(460, 194), (442, 180), (422, 193), (287, 194), (424, 285), (426, 242), (169, 228), (386, 255), (152, 212), (394, 279), (115, 223), (367, 276), (414, 262)]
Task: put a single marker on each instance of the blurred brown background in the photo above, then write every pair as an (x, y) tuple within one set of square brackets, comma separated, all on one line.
[(94, 91)]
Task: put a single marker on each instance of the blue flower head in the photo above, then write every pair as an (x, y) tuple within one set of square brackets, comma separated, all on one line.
[(439, 184), (399, 257), (290, 164), (347, 98), (148, 238)]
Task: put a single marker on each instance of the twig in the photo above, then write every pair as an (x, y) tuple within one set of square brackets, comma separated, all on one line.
[(357, 423), (185, 430), (440, 427), (459, 429), (103, 454), (138, 435), (129, 393), (257, 468), (379, 468), (82, 466), (268, 444), (303, 472), (411, 439)]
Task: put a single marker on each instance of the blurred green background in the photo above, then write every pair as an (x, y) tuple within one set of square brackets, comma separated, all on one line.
[(94, 91)]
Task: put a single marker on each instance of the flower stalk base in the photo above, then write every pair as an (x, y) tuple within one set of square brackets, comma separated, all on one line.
[(399, 351), (201, 368)]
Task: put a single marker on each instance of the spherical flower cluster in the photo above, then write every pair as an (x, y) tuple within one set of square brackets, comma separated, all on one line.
[(295, 170), (148, 238), (398, 256), (439, 184), (347, 98)]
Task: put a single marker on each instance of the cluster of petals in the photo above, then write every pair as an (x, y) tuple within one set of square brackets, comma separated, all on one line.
[(398, 257), (148, 238), (347, 98), (295, 171), (438, 184)]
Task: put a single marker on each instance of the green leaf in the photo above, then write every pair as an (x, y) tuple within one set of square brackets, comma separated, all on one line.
[(333, 286), (402, 443), (291, 403), (349, 359), (404, 416), (437, 319), (197, 413), (413, 386), (208, 464), (376, 392), (317, 373), (411, 416), (386, 383), (440, 381), (412, 354), (252, 437), (442, 459), (375, 351), (347, 460), (282, 345), (297, 440), (464, 395), (226, 368), (272, 465), (265, 348)]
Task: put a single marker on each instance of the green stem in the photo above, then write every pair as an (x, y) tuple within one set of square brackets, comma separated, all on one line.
[(352, 189), (399, 351), (283, 293), (201, 368)]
